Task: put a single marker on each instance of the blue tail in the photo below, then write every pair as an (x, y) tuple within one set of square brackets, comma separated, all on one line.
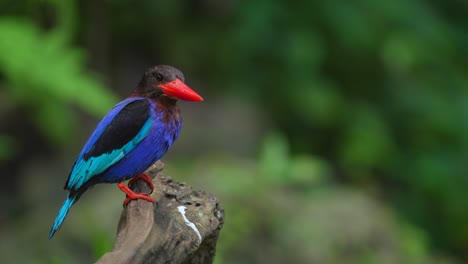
[(62, 214)]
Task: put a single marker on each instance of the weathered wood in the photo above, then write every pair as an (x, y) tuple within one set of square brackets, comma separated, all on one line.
[(181, 227)]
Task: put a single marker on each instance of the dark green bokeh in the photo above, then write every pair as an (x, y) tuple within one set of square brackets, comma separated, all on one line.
[(332, 131)]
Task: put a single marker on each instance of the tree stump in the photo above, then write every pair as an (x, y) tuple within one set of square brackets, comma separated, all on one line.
[(182, 226)]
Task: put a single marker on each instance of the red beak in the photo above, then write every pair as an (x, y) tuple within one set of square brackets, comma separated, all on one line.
[(180, 90)]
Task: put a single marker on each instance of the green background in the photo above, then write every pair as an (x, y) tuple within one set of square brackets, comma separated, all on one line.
[(331, 131)]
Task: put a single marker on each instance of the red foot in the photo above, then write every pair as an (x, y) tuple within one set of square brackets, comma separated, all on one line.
[(133, 196), (144, 177)]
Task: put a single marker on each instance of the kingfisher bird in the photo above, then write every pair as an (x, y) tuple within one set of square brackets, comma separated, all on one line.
[(133, 135)]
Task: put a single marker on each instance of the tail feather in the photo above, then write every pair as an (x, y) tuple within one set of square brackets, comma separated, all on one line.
[(62, 213)]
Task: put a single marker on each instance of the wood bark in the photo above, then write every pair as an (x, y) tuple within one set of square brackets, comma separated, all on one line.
[(182, 226)]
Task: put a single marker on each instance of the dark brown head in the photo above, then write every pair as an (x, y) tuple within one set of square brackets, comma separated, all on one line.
[(165, 81)]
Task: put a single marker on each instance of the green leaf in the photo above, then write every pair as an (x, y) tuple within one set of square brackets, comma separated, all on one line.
[(47, 75), (38, 63)]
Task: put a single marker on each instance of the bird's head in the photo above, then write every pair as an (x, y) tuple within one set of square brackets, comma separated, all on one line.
[(165, 81)]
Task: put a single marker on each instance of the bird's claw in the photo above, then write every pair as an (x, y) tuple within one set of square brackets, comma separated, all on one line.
[(132, 195), (136, 196), (143, 177)]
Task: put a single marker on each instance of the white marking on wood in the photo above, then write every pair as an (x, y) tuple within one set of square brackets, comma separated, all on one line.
[(182, 210)]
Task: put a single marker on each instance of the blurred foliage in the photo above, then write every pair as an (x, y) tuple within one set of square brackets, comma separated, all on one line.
[(377, 89), (289, 208), (7, 147), (44, 74)]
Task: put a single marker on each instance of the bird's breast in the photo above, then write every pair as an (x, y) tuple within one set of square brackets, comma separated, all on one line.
[(167, 124)]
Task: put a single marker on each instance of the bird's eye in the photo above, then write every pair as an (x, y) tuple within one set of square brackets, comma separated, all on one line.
[(159, 77)]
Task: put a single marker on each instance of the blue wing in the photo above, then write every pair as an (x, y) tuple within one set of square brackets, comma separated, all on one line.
[(119, 132)]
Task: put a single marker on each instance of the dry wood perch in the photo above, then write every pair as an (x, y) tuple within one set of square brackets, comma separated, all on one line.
[(181, 227)]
